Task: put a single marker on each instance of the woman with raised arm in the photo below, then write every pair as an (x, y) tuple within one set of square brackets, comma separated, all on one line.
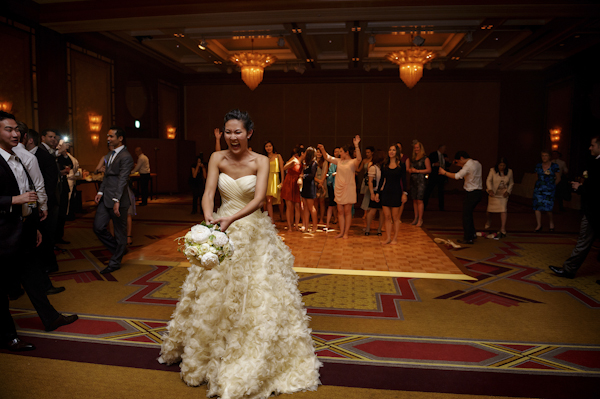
[(241, 326), (290, 189), (345, 185)]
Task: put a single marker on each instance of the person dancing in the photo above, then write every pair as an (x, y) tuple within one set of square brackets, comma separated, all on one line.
[(309, 190), (345, 185), (241, 326), (392, 193), (290, 190)]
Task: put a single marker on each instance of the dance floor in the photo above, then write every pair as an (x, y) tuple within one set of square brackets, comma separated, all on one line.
[(415, 256)]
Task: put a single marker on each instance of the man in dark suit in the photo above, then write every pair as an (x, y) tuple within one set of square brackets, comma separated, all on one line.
[(19, 237), (51, 174), (113, 200), (590, 222), (438, 160)]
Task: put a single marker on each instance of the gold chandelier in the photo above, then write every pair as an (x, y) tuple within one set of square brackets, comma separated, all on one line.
[(253, 66), (411, 63)]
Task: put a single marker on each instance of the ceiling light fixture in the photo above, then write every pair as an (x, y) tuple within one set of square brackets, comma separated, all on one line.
[(411, 63), (202, 45), (253, 65)]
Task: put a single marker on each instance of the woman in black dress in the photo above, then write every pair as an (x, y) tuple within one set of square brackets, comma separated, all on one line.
[(309, 190), (392, 193), (196, 181)]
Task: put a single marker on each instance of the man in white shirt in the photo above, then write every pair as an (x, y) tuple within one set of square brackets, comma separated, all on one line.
[(471, 172), (143, 167)]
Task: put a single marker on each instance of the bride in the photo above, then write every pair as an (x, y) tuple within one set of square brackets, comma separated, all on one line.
[(241, 327)]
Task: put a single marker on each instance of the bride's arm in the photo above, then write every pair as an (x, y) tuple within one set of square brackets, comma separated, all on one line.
[(212, 178), (260, 194)]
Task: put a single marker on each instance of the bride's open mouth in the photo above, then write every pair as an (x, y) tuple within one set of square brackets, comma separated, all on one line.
[(235, 146)]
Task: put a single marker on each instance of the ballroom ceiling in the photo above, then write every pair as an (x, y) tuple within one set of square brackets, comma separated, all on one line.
[(336, 35)]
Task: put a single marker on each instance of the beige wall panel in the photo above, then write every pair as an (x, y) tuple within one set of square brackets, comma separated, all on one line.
[(168, 106), (376, 107), (91, 94), (349, 102), (15, 73), (323, 111)]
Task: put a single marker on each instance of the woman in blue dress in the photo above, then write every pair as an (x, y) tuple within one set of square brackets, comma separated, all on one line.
[(548, 176)]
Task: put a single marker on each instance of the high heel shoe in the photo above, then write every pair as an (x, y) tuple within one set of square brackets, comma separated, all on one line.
[(367, 233), (129, 240), (537, 230), (551, 229)]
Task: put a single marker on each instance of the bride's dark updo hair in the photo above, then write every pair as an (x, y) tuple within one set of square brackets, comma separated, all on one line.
[(242, 116)]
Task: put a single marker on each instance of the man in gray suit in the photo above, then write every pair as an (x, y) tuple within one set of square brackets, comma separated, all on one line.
[(113, 199)]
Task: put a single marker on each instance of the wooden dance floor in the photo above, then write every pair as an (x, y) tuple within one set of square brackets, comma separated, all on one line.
[(415, 255)]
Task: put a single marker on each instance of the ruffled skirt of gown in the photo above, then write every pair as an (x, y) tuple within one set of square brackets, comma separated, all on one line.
[(242, 327)]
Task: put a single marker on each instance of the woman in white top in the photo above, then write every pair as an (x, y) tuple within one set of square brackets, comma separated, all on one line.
[(345, 185), (499, 185)]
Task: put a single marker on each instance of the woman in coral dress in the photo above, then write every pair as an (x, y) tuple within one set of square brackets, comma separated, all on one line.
[(241, 327)]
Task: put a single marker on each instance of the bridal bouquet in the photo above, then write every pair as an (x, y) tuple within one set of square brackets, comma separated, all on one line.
[(206, 245)]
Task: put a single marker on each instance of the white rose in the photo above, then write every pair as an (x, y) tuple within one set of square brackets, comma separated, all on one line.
[(210, 260), (204, 248), (200, 233), (191, 251), (213, 250), (220, 239), (188, 235)]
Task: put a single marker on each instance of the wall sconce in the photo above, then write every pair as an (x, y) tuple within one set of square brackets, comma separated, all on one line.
[(555, 137), (95, 139), (171, 132), (6, 106), (95, 122)]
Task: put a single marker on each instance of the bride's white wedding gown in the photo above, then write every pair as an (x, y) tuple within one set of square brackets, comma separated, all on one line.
[(241, 327)]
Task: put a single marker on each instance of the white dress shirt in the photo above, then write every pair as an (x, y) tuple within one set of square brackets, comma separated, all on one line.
[(33, 167), (20, 176), (471, 172), (143, 165), (52, 151)]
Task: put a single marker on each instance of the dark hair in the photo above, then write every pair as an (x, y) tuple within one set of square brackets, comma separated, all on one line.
[(320, 161), (298, 150), (378, 157), (347, 148), (241, 116), (387, 160), (265, 144), (118, 131), (310, 155), (597, 138), (5, 115), (546, 151), (441, 145), (44, 132), (504, 161), (461, 154), (370, 148), (23, 129), (35, 136)]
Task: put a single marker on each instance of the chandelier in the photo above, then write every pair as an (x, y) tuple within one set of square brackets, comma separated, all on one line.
[(411, 63), (253, 66)]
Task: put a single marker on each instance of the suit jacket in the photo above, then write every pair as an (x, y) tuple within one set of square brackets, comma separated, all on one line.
[(590, 194), (11, 223), (433, 158), (116, 179), (51, 175), (493, 181)]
